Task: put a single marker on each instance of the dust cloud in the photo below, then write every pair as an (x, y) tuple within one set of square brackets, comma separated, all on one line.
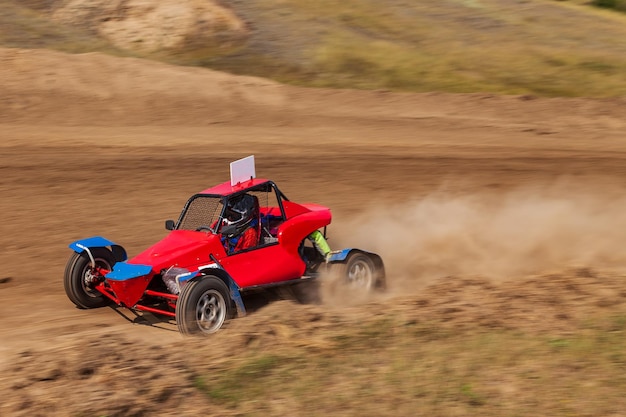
[(495, 236)]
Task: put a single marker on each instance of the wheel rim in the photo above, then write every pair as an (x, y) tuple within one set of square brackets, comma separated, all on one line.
[(89, 278), (360, 275), (210, 311)]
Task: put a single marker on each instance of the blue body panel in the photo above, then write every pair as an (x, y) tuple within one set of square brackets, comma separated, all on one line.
[(186, 277), (339, 256), (123, 271), (236, 297), (98, 242), (90, 242)]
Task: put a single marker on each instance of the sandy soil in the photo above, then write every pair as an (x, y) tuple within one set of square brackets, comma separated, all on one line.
[(488, 210), (140, 26)]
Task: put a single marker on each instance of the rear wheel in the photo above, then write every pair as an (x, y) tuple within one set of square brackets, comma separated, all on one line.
[(203, 306), (80, 278), (359, 273)]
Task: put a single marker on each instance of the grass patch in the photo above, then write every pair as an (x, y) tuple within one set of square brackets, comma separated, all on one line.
[(545, 48), (618, 5), (402, 370), (243, 382)]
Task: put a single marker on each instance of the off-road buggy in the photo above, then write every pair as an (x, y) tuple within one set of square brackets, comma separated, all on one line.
[(197, 277)]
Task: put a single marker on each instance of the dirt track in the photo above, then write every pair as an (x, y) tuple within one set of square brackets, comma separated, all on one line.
[(94, 145)]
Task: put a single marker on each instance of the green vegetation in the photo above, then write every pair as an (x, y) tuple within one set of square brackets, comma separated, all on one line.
[(417, 369), (547, 48), (619, 5), (534, 47)]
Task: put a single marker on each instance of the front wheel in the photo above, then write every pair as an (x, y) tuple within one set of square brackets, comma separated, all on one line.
[(203, 306), (80, 278)]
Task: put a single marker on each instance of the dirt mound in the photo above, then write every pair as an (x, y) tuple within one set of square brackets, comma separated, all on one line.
[(108, 375), (152, 26), (114, 374), (552, 304), (45, 87)]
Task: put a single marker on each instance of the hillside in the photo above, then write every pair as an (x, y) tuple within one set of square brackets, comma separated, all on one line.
[(541, 47)]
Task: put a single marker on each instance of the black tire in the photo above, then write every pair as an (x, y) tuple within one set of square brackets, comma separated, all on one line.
[(203, 306), (358, 272), (78, 278)]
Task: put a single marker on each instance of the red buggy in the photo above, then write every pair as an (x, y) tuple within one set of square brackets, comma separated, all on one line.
[(198, 273)]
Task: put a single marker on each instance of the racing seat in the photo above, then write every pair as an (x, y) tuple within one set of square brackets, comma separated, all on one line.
[(269, 227)]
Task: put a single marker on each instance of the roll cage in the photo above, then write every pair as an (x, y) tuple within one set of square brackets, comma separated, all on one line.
[(208, 209)]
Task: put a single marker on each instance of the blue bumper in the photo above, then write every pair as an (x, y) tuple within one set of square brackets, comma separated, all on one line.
[(123, 271)]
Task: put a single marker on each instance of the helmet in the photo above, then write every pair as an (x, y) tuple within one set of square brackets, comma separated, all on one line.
[(240, 212)]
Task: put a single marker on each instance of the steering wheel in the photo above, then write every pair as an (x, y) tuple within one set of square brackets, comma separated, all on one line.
[(203, 227)]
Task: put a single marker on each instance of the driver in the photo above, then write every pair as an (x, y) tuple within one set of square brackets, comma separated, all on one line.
[(240, 221)]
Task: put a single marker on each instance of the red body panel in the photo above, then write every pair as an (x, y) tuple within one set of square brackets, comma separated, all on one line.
[(181, 248), (299, 226), (129, 291), (262, 266)]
